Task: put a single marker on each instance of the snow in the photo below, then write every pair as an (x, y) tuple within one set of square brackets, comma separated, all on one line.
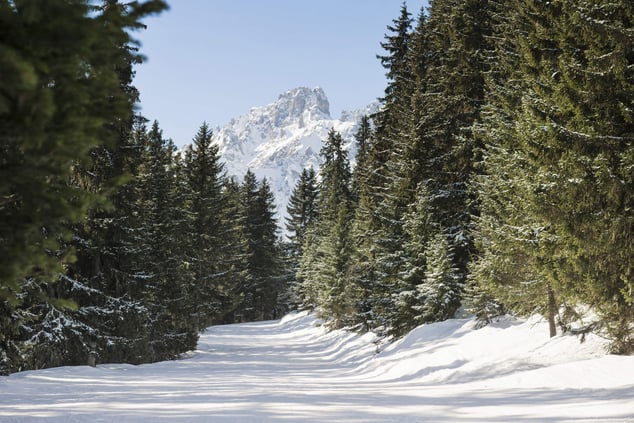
[(294, 370), (279, 140)]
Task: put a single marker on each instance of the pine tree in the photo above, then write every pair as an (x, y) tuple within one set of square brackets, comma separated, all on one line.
[(302, 214), (396, 46), (51, 124), (50, 120), (335, 176), (556, 141), (165, 288), (363, 137), (591, 136), (263, 280), (360, 267), (204, 175), (301, 209), (337, 294), (325, 265), (395, 61), (401, 172), (389, 120), (437, 95), (602, 128), (273, 273), (107, 280), (249, 213), (580, 153), (440, 293), (407, 295), (234, 250), (373, 224), (453, 94), (512, 239)]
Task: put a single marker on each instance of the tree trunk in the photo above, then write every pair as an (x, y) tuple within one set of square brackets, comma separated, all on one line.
[(552, 311)]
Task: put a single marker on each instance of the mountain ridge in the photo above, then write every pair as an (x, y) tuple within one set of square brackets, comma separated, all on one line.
[(278, 140)]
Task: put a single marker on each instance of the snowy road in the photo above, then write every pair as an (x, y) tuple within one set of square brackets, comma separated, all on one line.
[(292, 371)]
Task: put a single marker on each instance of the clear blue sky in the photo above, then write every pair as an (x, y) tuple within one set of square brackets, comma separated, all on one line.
[(212, 60)]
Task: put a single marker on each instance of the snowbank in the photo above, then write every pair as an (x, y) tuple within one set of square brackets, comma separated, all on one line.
[(293, 370)]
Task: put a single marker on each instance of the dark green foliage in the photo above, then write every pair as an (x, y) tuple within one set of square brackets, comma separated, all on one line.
[(452, 96), (302, 214), (233, 250), (591, 136), (395, 61), (324, 271), (263, 280), (363, 138), (66, 90), (361, 270), (498, 172), (422, 147), (60, 89), (166, 292), (203, 173), (499, 169), (376, 230), (302, 210), (554, 193), (178, 247)]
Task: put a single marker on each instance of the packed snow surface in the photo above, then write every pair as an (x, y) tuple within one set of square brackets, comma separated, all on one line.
[(293, 370)]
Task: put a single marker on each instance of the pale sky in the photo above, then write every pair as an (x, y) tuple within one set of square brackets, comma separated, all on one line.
[(212, 60)]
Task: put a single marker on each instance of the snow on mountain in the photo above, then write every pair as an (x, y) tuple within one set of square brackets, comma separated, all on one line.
[(280, 139)]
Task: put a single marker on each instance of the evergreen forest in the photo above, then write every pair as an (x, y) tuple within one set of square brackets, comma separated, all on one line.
[(497, 177)]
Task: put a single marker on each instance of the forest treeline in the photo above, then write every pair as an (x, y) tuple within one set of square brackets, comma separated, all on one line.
[(115, 247), (498, 176)]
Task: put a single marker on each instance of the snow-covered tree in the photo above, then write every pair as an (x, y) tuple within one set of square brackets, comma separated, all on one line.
[(324, 268), (302, 209), (262, 275), (204, 175)]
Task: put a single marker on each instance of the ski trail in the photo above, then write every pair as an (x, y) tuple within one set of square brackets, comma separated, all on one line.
[(294, 371)]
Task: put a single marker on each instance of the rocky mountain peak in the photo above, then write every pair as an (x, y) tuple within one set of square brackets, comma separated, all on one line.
[(279, 140), (301, 103)]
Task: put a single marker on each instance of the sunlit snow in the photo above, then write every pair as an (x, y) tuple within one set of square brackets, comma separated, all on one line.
[(294, 371), (279, 140)]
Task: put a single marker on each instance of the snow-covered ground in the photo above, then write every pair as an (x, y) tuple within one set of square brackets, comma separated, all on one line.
[(294, 371)]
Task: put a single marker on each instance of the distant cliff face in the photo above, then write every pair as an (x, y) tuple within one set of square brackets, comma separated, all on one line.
[(280, 139)]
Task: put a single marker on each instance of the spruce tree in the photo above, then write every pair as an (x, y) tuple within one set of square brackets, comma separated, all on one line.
[(557, 137), (108, 269), (301, 209), (165, 289), (234, 250), (512, 240), (51, 119), (325, 266), (439, 92), (602, 129), (262, 280), (452, 96), (273, 272), (401, 172), (591, 138), (363, 137), (302, 214), (52, 122), (408, 297), (374, 269), (204, 174)]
